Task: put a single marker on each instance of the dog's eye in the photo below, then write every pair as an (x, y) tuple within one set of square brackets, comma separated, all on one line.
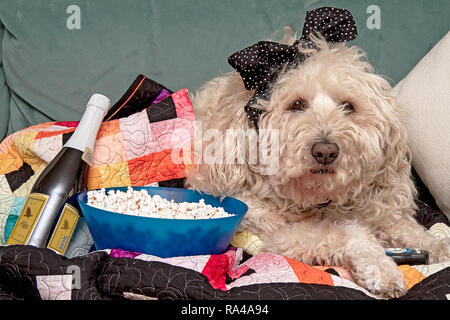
[(347, 107), (299, 105)]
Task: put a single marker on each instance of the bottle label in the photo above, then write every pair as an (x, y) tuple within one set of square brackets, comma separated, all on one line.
[(64, 229), (28, 218), (87, 156)]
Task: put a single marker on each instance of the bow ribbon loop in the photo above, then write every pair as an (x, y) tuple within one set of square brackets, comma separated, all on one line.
[(259, 64), (336, 25)]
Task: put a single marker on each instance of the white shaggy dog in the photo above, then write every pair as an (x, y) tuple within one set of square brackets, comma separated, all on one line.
[(341, 142)]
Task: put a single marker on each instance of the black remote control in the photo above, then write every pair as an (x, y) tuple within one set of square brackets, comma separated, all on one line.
[(407, 256)]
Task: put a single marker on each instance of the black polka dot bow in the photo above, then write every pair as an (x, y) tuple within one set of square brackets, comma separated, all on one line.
[(261, 63)]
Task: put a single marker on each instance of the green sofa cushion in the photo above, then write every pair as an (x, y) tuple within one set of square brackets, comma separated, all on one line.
[(49, 67)]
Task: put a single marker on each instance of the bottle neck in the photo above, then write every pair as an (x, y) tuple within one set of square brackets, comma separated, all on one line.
[(86, 132)]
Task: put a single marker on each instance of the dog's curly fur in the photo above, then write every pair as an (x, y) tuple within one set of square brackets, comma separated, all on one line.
[(369, 183)]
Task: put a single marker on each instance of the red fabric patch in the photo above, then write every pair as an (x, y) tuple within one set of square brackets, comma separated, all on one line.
[(71, 124), (215, 270)]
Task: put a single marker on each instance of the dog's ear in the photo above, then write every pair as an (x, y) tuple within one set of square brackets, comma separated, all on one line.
[(222, 162), (220, 150), (394, 175)]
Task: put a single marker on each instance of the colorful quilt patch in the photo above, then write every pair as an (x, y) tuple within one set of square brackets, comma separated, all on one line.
[(15, 178), (109, 150), (163, 110), (236, 271), (133, 150), (10, 158), (112, 175), (157, 166)]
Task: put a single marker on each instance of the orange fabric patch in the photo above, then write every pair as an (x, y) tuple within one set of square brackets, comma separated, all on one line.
[(108, 128), (412, 275), (45, 134), (309, 274), (11, 160), (157, 166), (113, 175)]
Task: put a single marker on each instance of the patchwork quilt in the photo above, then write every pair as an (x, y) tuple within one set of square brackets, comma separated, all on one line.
[(134, 146), (27, 272)]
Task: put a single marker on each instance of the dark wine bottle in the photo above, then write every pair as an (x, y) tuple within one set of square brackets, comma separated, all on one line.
[(63, 177)]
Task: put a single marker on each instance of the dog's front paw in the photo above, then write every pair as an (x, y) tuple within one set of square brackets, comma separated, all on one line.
[(439, 251), (383, 279)]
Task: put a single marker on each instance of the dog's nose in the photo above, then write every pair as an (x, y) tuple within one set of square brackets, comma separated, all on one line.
[(325, 153)]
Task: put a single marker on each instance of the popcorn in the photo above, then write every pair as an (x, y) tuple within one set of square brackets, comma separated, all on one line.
[(140, 203)]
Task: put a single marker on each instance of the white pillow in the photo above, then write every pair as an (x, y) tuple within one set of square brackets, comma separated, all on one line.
[(425, 95)]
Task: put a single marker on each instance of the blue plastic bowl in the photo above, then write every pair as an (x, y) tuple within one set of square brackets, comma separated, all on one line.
[(164, 237)]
